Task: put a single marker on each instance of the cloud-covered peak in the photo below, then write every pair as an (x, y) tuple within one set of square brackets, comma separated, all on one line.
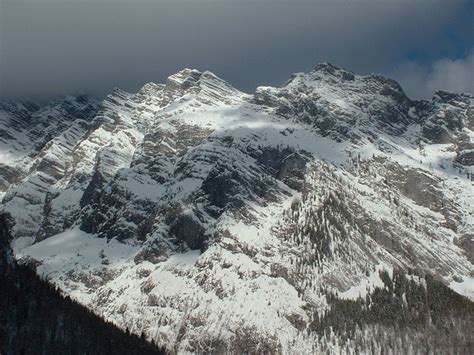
[(247, 42)]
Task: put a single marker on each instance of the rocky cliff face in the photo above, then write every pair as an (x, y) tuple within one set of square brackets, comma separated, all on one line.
[(204, 216)]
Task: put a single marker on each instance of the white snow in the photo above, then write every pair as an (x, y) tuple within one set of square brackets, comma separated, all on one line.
[(367, 285), (63, 251), (465, 287), (250, 276)]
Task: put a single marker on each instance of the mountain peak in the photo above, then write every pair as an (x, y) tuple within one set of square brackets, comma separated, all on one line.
[(326, 66), (187, 78), (331, 69), (238, 203), (450, 97), (183, 79)]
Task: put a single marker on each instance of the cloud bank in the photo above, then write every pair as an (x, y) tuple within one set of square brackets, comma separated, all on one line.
[(451, 75), (52, 47)]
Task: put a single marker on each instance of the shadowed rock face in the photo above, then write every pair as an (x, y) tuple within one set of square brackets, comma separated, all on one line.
[(186, 229), (464, 150), (285, 164), (222, 186), (240, 202), (8, 176), (466, 157), (466, 242)]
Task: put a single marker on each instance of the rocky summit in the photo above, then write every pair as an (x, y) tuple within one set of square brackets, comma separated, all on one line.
[(330, 213)]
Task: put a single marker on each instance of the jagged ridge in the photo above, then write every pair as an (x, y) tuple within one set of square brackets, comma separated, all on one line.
[(192, 193)]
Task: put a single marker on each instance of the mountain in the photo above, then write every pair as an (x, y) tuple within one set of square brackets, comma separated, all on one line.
[(36, 319), (332, 212)]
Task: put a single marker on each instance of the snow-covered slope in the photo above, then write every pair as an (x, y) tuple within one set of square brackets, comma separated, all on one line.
[(206, 217)]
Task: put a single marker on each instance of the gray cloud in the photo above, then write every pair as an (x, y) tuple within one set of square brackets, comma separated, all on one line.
[(52, 47), (452, 75)]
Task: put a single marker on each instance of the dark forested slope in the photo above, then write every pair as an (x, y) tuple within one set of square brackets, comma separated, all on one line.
[(36, 319)]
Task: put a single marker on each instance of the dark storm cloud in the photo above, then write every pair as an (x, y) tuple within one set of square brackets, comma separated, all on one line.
[(50, 48)]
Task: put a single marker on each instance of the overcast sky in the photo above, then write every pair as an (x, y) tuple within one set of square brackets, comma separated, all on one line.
[(51, 47)]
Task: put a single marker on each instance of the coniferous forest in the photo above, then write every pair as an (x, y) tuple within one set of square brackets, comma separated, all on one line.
[(36, 319), (404, 316)]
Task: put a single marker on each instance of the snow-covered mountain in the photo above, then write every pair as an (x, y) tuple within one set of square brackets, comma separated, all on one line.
[(209, 218)]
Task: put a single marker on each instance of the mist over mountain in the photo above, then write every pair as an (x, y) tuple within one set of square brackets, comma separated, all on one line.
[(63, 47)]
